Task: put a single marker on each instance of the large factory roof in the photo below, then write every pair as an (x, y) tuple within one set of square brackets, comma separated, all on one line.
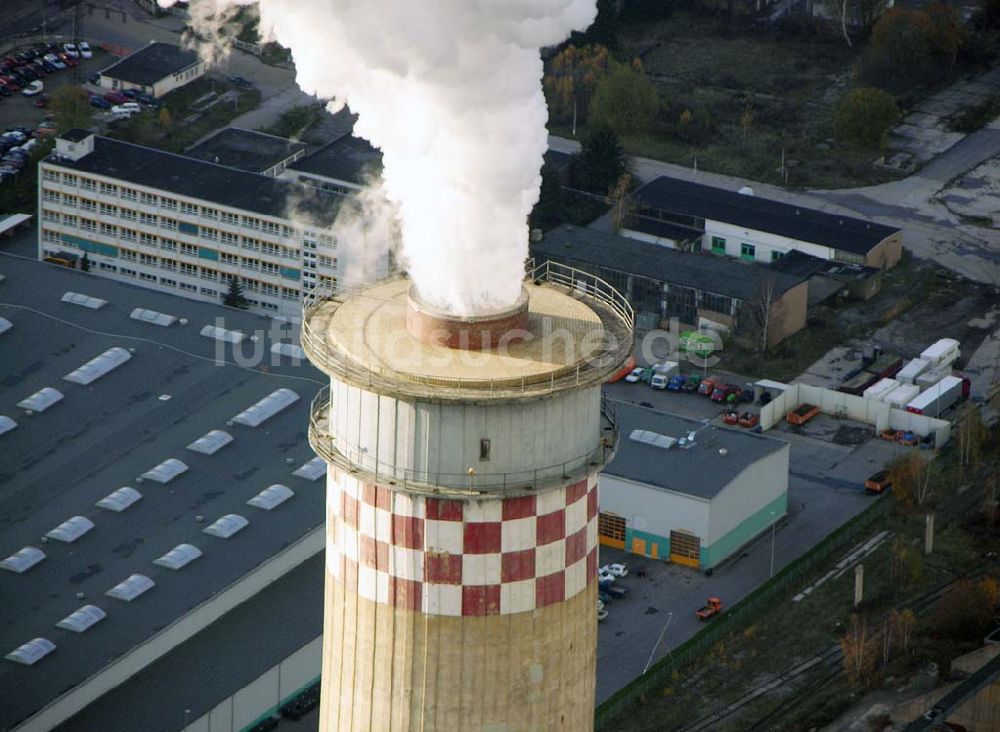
[(700, 468), (205, 181), (101, 437)]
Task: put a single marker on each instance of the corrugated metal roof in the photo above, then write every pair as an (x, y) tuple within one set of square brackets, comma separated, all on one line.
[(271, 497), (41, 399), (178, 557), (211, 442), (82, 619), (221, 334), (23, 559), (257, 414), (152, 317), (31, 652), (312, 470), (98, 366), (131, 588), (6, 424), (75, 298), (166, 471), (227, 526), (120, 499), (71, 529)]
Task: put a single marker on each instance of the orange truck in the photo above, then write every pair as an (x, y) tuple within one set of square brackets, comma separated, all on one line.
[(802, 414), (710, 609)]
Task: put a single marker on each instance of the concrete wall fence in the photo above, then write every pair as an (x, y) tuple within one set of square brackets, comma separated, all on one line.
[(837, 404), (265, 696)]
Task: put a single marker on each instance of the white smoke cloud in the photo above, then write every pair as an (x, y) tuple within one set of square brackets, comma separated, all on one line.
[(450, 91)]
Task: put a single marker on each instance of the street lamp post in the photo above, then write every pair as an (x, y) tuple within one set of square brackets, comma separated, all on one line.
[(774, 527), (670, 616)]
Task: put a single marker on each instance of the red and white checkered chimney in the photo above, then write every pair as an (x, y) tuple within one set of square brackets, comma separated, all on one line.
[(462, 508)]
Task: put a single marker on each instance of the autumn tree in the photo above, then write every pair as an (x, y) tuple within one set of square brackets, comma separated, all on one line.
[(625, 100), (570, 79), (601, 162), (968, 609), (947, 33), (622, 205), (904, 623), (971, 435), (906, 564), (70, 105), (912, 47), (864, 117), (910, 476), (859, 652)]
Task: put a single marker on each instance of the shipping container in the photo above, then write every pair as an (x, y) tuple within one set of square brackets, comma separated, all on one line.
[(909, 373), (901, 395), (932, 376), (857, 384), (878, 390), (937, 398), (943, 353), (885, 366)]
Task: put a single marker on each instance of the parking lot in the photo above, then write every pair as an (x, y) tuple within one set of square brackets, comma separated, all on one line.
[(825, 490), (18, 110)]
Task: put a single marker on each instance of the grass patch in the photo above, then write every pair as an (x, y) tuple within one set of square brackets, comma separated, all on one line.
[(294, 122)]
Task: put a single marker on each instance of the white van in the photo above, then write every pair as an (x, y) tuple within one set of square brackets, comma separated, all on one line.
[(118, 112), (659, 381), (131, 106)]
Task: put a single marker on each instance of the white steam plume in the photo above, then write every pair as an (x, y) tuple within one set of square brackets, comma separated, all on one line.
[(450, 91)]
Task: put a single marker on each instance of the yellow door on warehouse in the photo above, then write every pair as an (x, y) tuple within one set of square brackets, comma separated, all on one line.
[(685, 548), (611, 530)]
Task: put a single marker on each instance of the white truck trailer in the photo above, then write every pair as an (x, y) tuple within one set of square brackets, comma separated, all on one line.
[(938, 398), (942, 353), (879, 389), (909, 373)]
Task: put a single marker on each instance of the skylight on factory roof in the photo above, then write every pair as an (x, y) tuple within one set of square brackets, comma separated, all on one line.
[(98, 366), (166, 471), (131, 588), (312, 470), (6, 424), (81, 619), (31, 652), (152, 317), (179, 556), (655, 439), (221, 334), (227, 526), (288, 349), (75, 298), (211, 443), (71, 529), (271, 497), (5, 325), (41, 399), (258, 413), (120, 499), (23, 559)]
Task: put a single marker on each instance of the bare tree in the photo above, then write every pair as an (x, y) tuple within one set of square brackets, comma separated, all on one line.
[(622, 206), (859, 651), (904, 623), (910, 475), (762, 314)]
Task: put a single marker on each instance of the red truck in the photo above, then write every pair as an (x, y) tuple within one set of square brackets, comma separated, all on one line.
[(710, 609)]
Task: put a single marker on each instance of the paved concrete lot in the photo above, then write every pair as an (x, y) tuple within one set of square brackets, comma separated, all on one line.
[(18, 110), (825, 490)]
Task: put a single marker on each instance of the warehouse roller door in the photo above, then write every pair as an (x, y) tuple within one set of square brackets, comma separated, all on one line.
[(685, 548), (611, 530)]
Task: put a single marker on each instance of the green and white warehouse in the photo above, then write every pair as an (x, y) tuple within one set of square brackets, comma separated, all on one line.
[(689, 491)]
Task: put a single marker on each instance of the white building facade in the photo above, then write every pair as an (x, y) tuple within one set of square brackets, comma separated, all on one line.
[(190, 245)]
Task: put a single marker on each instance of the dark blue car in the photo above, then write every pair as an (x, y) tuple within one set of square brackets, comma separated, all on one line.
[(99, 102)]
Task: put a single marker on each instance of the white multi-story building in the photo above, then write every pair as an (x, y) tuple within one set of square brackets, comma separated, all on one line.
[(185, 226)]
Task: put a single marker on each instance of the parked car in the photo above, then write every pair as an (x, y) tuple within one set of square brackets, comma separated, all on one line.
[(4, 90), (17, 135), (618, 569), (68, 60), (617, 591), (659, 381), (240, 82), (123, 112), (11, 83), (116, 97), (71, 50), (42, 101), (148, 99), (84, 49), (635, 375), (707, 386), (131, 93), (602, 613), (726, 393), (676, 382), (33, 88), (131, 106), (692, 384), (710, 609), (878, 483), (99, 102)]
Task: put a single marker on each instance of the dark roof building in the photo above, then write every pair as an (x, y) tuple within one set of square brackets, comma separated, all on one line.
[(155, 69), (254, 152), (674, 284), (344, 164), (748, 226)]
